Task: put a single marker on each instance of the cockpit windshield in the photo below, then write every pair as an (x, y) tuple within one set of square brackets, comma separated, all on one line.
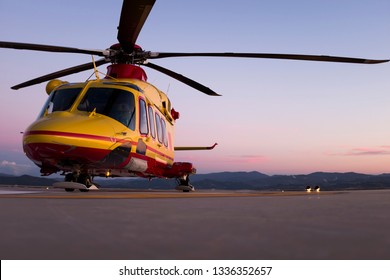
[(112, 102), (60, 100)]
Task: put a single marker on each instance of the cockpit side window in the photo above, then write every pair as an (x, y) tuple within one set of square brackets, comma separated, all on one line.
[(111, 102), (60, 100)]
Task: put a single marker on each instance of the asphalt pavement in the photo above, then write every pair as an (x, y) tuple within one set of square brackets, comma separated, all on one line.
[(39, 223)]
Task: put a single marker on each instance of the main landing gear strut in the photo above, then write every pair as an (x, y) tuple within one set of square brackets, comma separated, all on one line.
[(184, 184)]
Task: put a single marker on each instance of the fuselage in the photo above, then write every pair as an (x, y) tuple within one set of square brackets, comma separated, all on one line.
[(105, 127)]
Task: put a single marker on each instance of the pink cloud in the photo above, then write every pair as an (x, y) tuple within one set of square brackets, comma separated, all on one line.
[(365, 151), (248, 159)]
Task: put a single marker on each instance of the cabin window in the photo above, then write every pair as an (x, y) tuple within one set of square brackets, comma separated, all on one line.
[(164, 132), (60, 100), (111, 102), (159, 129), (143, 117), (151, 122)]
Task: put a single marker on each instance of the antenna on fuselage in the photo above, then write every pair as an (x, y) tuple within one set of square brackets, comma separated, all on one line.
[(95, 70), (169, 85)]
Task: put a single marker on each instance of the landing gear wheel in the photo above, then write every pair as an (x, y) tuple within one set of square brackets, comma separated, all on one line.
[(70, 178), (184, 184), (75, 180), (84, 179)]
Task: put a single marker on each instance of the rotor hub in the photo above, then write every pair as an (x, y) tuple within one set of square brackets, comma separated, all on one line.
[(116, 54)]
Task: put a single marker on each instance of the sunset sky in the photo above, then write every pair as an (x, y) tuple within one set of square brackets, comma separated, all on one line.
[(274, 116)]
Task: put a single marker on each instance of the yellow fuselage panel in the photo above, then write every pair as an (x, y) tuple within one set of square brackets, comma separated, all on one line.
[(65, 127)]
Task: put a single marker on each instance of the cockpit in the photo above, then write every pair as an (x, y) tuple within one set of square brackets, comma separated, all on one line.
[(112, 102)]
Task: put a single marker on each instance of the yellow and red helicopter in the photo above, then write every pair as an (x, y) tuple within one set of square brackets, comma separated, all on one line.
[(120, 125)]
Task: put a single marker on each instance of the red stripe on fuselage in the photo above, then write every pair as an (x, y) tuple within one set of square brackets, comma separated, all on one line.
[(92, 137), (75, 135)]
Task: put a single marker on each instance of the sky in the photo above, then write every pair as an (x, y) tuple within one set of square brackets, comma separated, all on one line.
[(274, 116)]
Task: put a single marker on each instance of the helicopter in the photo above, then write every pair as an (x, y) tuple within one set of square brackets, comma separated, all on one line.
[(120, 125)]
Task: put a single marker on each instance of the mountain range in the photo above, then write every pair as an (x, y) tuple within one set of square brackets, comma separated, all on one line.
[(232, 181)]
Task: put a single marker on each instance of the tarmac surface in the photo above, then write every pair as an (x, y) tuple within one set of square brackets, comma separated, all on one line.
[(40, 223)]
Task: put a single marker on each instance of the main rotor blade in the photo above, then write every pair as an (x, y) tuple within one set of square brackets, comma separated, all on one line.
[(61, 73), (272, 56), (47, 48), (182, 79), (133, 16)]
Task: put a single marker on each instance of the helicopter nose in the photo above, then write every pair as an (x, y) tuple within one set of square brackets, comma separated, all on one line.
[(56, 145), (68, 139)]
